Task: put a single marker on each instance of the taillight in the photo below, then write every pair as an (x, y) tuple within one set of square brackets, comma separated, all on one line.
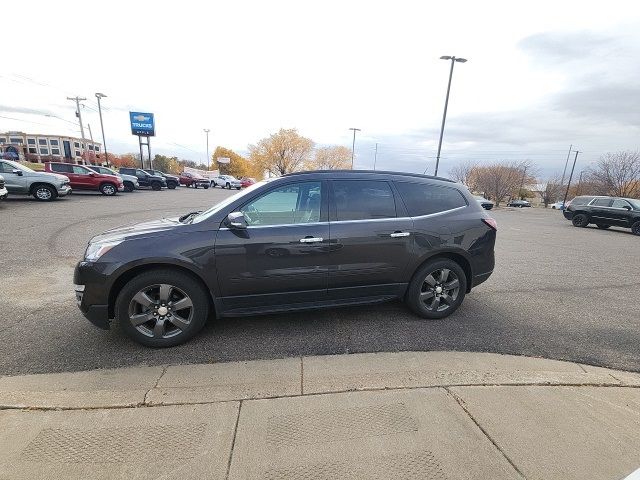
[(491, 222)]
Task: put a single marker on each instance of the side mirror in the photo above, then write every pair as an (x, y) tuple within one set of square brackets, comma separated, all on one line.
[(17, 172), (92, 174), (626, 207), (236, 220)]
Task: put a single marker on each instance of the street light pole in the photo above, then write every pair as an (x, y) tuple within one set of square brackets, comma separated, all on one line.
[(579, 183), (565, 165), (104, 142), (353, 146), (375, 158), (206, 130), (564, 202), (446, 104)]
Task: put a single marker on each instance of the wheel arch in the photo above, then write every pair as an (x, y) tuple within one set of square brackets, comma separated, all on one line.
[(35, 185), (457, 257), (127, 275)]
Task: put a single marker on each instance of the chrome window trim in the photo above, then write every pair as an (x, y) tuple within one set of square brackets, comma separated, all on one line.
[(429, 215), (253, 227)]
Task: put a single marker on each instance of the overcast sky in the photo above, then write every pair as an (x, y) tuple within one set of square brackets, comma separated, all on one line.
[(540, 76)]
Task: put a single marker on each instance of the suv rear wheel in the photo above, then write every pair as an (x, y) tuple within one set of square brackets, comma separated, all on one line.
[(162, 308), (580, 220), (172, 185), (44, 193), (129, 187), (108, 189), (437, 289)]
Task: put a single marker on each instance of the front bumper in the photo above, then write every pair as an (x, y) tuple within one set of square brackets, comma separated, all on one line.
[(3, 193), (64, 190), (92, 294), (568, 214), (121, 188)]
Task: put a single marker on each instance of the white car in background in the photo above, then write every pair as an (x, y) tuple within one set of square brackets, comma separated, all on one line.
[(226, 181)]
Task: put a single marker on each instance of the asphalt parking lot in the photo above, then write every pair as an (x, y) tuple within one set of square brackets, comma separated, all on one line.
[(557, 292)]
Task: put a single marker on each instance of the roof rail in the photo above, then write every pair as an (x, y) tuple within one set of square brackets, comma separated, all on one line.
[(383, 172)]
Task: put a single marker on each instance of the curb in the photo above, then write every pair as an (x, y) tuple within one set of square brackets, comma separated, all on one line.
[(299, 376)]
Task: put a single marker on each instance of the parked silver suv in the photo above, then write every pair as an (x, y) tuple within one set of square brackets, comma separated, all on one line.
[(20, 179)]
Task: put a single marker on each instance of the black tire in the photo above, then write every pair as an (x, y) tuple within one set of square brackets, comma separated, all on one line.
[(635, 228), (238, 188), (108, 189), (195, 185), (206, 187), (156, 186), (172, 185), (44, 193), (129, 187), (421, 296), (580, 220), (602, 226), (182, 284)]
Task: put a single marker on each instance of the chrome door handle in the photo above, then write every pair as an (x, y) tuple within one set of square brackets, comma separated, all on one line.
[(400, 234), (311, 239)]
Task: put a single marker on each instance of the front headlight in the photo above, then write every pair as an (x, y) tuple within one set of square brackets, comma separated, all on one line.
[(98, 249)]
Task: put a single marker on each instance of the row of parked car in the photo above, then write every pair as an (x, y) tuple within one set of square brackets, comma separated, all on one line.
[(59, 179)]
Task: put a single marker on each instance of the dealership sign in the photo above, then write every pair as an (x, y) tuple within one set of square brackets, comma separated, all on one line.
[(142, 124)]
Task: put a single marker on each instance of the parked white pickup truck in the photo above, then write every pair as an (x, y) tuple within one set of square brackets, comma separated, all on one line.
[(226, 181)]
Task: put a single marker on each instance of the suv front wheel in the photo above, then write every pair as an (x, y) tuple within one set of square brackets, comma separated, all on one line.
[(635, 228), (162, 308), (437, 289), (108, 189), (44, 193)]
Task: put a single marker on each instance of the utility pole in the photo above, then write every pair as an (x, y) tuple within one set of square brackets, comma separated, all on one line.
[(565, 165), (524, 174), (79, 115), (206, 130), (353, 146), (579, 183), (104, 143), (375, 158), (90, 134), (564, 202)]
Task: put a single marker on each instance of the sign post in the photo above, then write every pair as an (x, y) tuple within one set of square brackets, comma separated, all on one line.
[(143, 125)]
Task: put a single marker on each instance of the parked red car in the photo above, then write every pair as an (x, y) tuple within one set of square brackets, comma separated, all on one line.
[(83, 178), (247, 181), (193, 180)]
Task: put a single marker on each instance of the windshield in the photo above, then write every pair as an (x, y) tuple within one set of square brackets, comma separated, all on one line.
[(635, 203), (227, 201)]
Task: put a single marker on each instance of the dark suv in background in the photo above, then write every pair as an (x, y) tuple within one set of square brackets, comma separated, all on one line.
[(172, 180), (301, 241), (604, 212), (145, 179)]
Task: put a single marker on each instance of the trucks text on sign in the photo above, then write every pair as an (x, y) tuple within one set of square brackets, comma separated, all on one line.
[(142, 124)]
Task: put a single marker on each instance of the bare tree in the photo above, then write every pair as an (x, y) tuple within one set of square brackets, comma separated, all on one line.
[(499, 180), (330, 158), (551, 190), (617, 174), (463, 173)]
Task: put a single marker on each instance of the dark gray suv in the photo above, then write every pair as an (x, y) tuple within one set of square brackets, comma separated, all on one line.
[(301, 241)]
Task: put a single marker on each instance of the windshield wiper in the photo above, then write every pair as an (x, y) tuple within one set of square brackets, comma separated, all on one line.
[(184, 218)]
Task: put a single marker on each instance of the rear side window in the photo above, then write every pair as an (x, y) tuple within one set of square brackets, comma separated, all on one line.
[(80, 170), (602, 202), (363, 200), (62, 167), (426, 199), (581, 200)]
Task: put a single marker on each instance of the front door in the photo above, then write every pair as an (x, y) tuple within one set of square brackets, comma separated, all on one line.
[(620, 215), (281, 257), (371, 239)]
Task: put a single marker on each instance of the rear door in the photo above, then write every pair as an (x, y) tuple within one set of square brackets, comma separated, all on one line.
[(371, 239), (600, 211), (281, 257)]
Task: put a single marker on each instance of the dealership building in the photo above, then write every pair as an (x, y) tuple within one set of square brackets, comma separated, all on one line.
[(48, 148)]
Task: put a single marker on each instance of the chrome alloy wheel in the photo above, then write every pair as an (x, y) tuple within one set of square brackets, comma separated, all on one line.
[(440, 290), (161, 311)]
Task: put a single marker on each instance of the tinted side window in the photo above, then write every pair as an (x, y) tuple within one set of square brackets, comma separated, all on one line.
[(619, 203), (127, 171), (297, 203), (80, 170), (363, 200), (6, 168), (425, 199), (602, 202), (581, 200), (62, 167)]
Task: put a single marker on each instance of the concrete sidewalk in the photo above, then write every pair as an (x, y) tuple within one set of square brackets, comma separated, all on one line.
[(434, 415)]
